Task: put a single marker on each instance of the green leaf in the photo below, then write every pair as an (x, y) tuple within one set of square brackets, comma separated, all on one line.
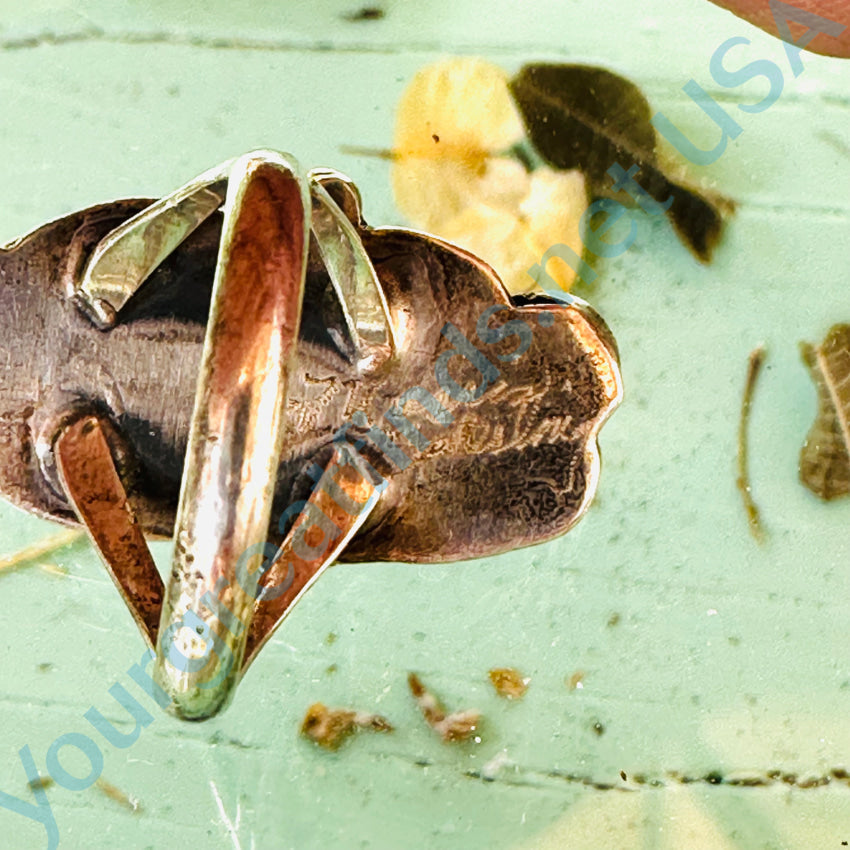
[(589, 118)]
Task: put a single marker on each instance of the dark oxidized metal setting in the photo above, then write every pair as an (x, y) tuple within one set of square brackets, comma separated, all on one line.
[(247, 366)]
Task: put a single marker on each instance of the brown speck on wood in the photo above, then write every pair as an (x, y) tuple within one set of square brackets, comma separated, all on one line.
[(613, 620), (116, 794), (367, 13), (576, 680), (748, 781), (598, 728), (753, 517), (329, 727), (456, 726), (436, 138), (509, 682), (42, 783)]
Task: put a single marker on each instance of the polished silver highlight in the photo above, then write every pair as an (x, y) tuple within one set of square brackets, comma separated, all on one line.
[(125, 259)]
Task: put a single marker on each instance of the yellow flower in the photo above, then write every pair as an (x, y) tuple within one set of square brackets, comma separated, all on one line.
[(453, 176), (465, 103)]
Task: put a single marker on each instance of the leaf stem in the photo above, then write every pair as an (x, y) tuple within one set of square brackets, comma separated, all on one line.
[(757, 357)]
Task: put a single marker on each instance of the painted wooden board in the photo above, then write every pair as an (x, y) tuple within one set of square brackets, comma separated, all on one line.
[(701, 650)]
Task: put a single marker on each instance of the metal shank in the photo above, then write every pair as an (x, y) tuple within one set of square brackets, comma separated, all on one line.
[(235, 437)]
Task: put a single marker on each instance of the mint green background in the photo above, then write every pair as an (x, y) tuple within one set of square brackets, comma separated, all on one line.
[(728, 655)]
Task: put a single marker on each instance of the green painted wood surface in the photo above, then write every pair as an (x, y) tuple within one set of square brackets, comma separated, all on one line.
[(727, 656)]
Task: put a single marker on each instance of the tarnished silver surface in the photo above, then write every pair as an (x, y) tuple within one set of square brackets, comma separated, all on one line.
[(94, 488), (426, 415)]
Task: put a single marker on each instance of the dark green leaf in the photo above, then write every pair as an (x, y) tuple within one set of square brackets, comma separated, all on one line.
[(589, 118)]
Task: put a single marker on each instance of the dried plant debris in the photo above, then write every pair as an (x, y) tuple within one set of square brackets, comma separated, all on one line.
[(825, 456), (509, 682), (457, 174), (506, 167), (753, 516), (43, 547), (582, 117), (457, 726), (329, 727), (128, 801), (591, 119)]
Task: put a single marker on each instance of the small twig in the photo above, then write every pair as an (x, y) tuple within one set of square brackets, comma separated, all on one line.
[(380, 153), (43, 547), (393, 155), (757, 357)]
